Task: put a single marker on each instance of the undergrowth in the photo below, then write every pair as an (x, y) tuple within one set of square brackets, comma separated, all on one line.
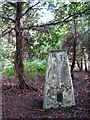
[(35, 68), (32, 69)]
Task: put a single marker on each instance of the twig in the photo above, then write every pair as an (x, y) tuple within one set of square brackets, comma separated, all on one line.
[(7, 18), (2, 35), (28, 10), (39, 110), (76, 112), (64, 20), (32, 108), (26, 107), (13, 4)]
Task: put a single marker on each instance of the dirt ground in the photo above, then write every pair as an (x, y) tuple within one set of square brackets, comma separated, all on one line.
[(28, 104)]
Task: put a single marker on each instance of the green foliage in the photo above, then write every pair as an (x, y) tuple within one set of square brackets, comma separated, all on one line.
[(44, 3), (9, 69), (3, 57), (3, 53), (41, 40), (35, 68), (32, 69)]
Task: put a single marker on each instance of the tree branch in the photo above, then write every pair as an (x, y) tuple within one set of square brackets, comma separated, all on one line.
[(7, 18), (48, 24), (12, 4), (64, 20), (28, 10), (3, 34), (4, 30)]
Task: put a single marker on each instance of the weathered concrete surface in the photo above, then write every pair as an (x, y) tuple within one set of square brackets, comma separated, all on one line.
[(0, 96), (58, 88)]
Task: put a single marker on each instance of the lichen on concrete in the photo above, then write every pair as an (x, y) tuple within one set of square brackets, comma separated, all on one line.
[(58, 88)]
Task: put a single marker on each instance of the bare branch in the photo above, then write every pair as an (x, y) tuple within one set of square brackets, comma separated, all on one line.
[(7, 18), (48, 24), (4, 30), (3, 34), (64, 20), (29, 9), (12, 4)]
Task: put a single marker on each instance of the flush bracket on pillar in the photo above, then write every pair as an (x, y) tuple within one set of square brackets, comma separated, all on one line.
[(59, 96)]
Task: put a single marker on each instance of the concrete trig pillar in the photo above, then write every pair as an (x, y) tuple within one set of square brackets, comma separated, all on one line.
[(58, 87)]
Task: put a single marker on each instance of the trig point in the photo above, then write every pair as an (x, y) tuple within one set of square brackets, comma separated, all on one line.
[(58, 88)]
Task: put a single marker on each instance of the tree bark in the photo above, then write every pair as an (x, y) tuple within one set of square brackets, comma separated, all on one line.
[(88, 46), (85, 61), (81, 65), (74, 49), (89, 51), (78, 65), (19, 67)]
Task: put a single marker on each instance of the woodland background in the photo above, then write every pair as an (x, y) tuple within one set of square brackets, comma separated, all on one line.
[(25, 39)]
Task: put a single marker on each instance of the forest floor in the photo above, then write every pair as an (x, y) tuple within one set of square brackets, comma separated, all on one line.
[(28, 104)]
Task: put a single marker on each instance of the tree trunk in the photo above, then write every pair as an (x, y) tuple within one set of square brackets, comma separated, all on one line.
[(19, 67), (89, 62), (88, 45), (88, 52), (81, 65), (78, 65), (85, 61), (74, 50)]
